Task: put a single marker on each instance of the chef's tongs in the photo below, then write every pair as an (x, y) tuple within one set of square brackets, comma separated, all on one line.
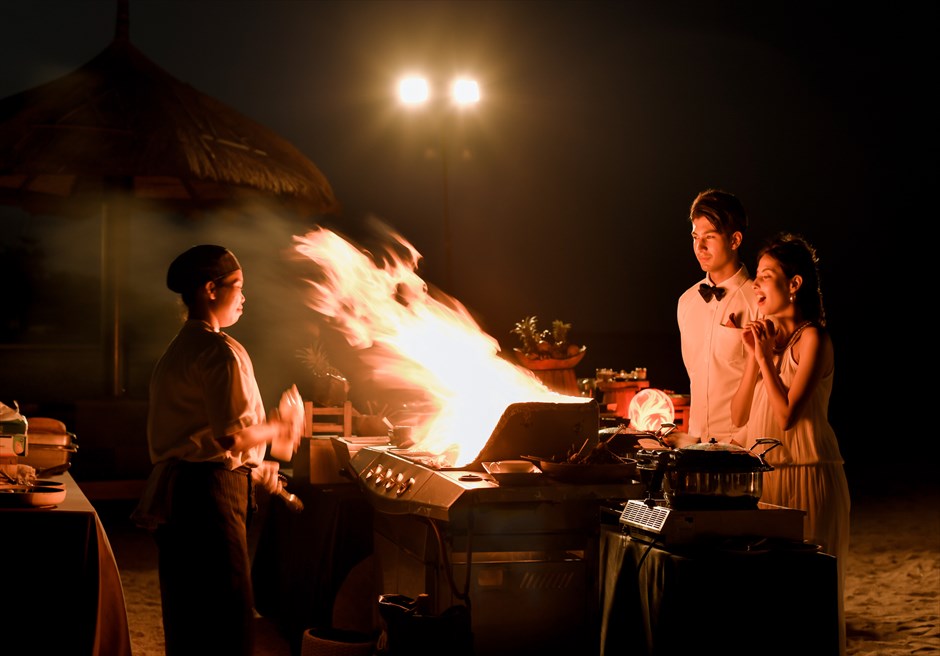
[(294, 504)]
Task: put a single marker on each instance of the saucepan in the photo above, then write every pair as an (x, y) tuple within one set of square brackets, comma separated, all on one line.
[(711, 475)]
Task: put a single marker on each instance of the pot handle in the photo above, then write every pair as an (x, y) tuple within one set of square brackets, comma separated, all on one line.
[(761, 441), (663, 431), (656, 478)]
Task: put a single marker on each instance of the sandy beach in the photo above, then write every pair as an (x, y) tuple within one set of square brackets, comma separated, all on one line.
[(893, 576), (892, 581)]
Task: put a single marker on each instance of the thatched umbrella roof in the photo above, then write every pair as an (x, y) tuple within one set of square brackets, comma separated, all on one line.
[(122, 121), (119, 130)]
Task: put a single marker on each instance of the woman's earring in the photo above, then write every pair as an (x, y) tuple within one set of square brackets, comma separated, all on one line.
[(792, 298)]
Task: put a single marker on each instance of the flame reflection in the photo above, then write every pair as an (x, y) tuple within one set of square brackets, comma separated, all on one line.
[(419, 340)]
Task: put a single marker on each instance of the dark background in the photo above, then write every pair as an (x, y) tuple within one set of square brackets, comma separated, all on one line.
[(569, 185)]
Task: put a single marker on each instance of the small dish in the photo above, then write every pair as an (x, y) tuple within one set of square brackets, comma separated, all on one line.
[(513, 472), (32, 496)]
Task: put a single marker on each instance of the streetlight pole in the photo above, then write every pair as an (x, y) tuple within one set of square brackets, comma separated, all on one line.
[(463, 93), (448, 238)]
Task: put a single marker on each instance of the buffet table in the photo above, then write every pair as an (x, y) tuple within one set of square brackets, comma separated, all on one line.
[(62, 591), (711, 600)]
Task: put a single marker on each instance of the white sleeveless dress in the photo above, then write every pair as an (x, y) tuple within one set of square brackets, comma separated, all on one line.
[(808, 469)]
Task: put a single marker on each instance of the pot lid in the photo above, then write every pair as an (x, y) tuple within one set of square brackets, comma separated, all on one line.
[(718, 456), (713, 445)]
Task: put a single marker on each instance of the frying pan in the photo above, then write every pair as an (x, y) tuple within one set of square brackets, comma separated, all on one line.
[(578, 472)]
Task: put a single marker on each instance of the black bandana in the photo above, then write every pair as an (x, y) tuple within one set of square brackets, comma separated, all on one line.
[(199, 265)]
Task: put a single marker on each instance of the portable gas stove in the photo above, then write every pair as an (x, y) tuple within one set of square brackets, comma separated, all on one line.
[(655, 521)]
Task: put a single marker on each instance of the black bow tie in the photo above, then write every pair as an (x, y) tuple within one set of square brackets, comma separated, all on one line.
[(707, 291)]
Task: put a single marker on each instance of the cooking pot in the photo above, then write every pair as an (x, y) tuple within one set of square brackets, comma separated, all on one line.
[(50, 453), (712, 475)]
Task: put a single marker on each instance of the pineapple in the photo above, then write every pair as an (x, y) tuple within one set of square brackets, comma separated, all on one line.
[(545, 344), (559, 346), (528, 332)]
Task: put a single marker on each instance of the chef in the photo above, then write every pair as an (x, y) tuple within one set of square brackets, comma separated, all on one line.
[(207, 434)]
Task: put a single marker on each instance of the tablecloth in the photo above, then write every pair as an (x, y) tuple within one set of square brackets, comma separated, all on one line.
[(60, 587), (715, 600)]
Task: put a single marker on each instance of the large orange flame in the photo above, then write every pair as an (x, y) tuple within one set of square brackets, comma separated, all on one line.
[(420, 341)]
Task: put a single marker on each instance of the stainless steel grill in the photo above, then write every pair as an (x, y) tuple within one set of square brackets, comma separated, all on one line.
[(524, 558)]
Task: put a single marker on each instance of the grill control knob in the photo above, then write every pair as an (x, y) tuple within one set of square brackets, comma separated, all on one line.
[(377, 471), (403, 486), (393, 482)]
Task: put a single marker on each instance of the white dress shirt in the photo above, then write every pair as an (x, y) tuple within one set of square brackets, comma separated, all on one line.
[(713, 353)]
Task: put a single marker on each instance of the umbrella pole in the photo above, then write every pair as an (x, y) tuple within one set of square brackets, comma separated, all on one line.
[(113, 244)]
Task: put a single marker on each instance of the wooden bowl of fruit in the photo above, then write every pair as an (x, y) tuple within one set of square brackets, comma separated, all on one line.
[(536, 363), (546, 349)]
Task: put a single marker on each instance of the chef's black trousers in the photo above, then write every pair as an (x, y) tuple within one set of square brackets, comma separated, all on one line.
[(205, 573)]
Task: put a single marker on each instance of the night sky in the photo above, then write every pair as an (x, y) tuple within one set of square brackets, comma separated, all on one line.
[(569, 185)]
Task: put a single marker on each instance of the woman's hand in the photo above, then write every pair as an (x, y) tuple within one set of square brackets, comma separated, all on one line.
[(759, 337)]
